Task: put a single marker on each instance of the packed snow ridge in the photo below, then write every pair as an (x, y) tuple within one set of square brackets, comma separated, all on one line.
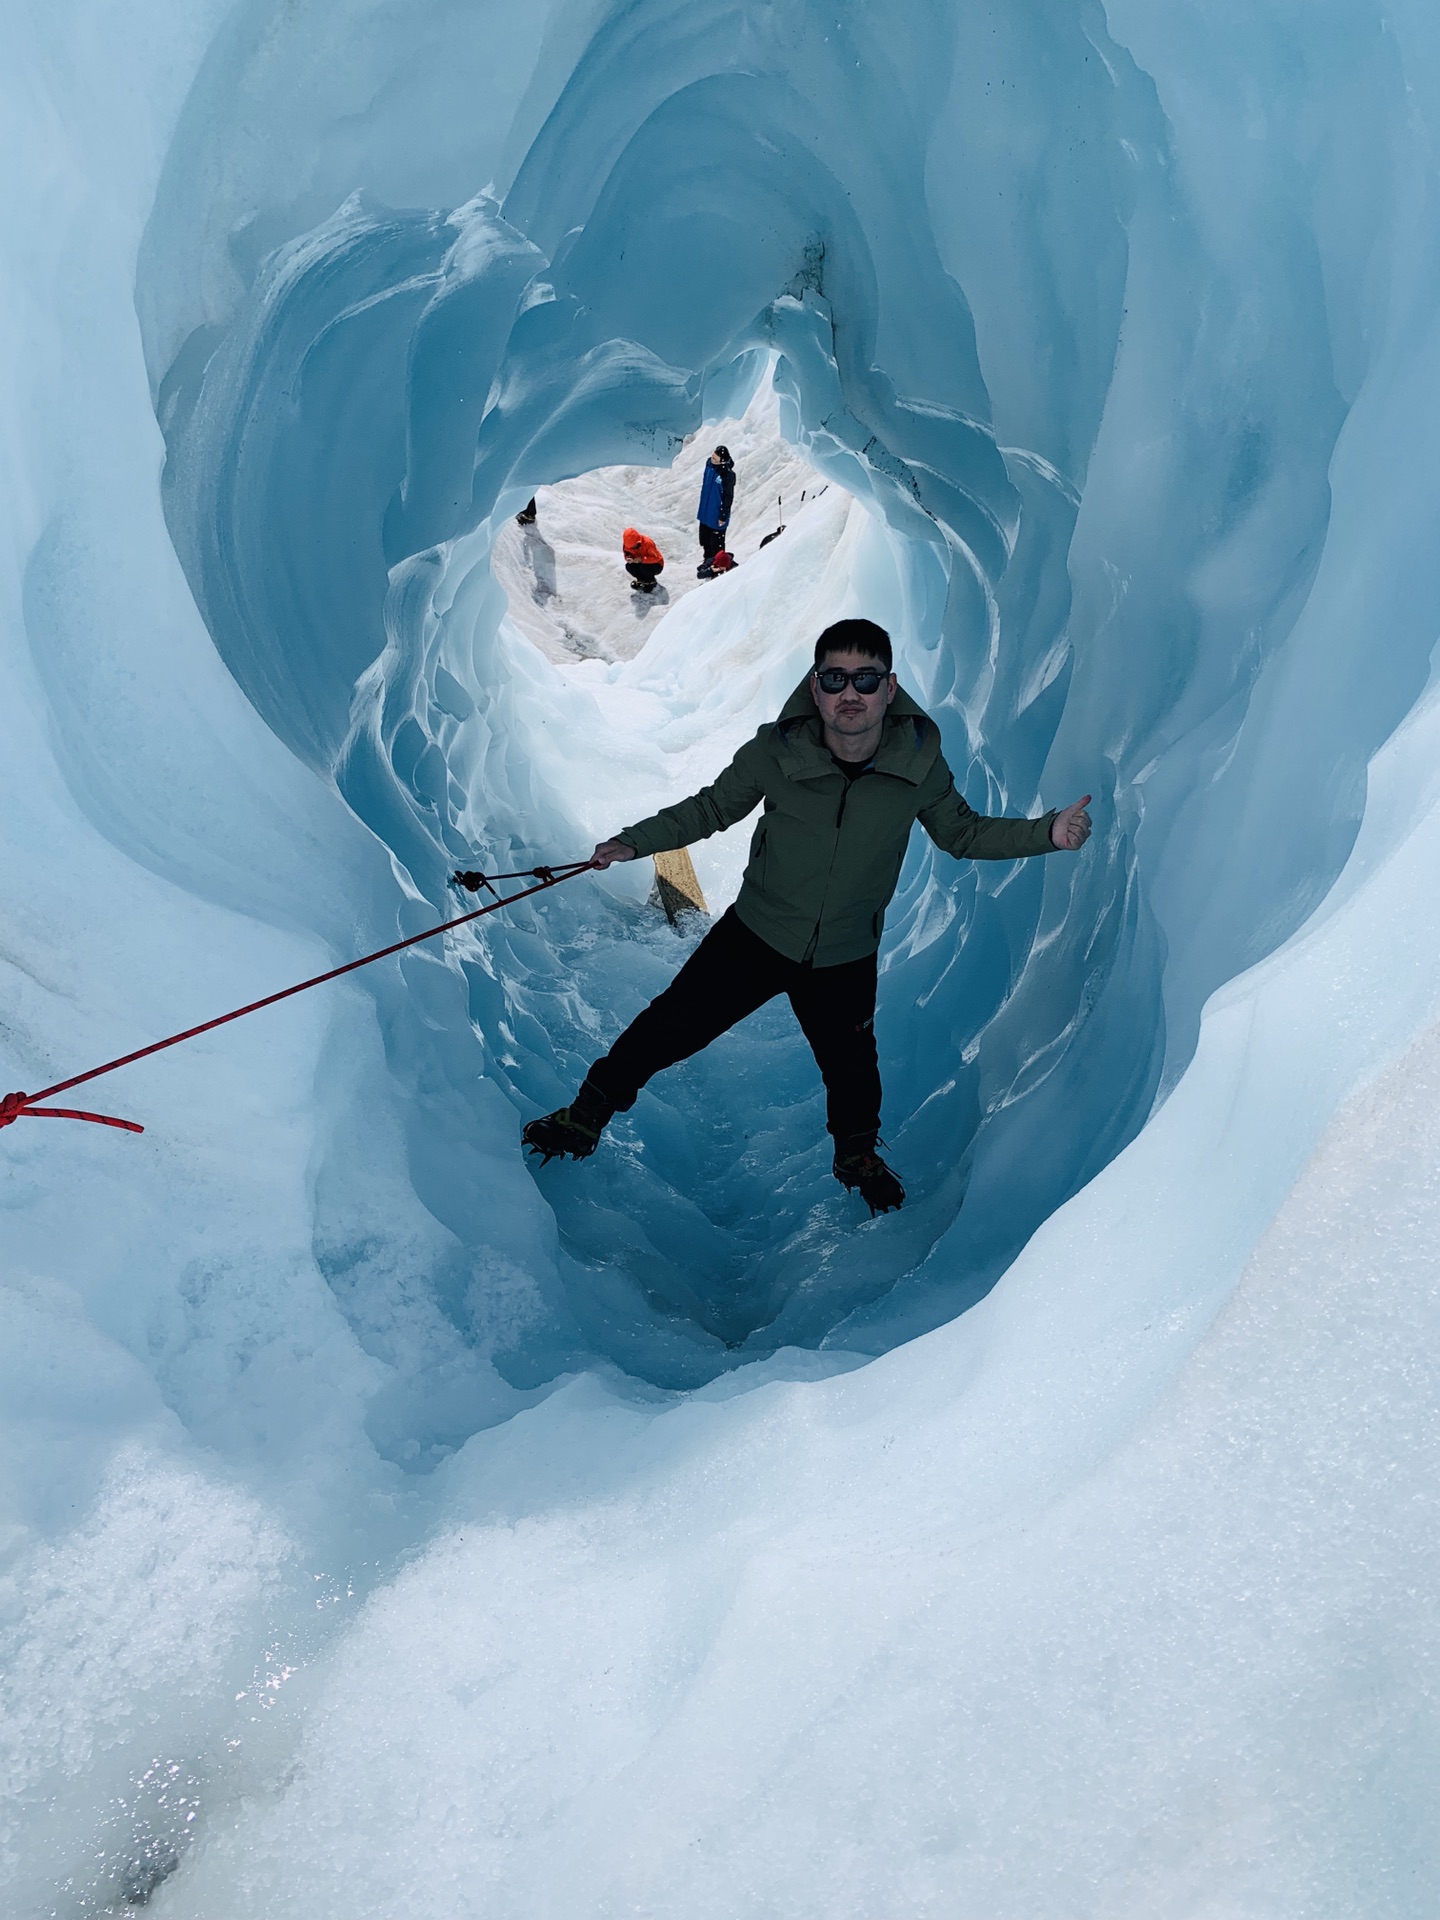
[(392, 1527)]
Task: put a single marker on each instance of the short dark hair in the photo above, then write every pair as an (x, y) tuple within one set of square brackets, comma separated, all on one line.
[(856, 636)]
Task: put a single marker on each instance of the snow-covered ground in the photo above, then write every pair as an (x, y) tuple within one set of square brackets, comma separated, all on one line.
[(389, 1527), (564, 575)]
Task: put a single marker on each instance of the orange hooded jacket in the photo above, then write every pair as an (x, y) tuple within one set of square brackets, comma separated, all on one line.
[(641, 548)]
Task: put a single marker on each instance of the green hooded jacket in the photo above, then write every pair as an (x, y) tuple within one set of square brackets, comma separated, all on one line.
[(826, 855)]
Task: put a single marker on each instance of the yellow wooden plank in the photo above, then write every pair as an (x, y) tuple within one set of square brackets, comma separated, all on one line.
[(678, 888)]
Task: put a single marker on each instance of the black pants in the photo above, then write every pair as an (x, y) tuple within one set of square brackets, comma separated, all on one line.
[(712, 539), (730, 974), (644, 571)]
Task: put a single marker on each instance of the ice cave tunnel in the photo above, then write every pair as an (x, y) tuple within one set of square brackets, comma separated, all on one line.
[(397, 1528)]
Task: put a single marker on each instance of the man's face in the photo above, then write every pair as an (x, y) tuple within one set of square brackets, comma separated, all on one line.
[(849, 711)]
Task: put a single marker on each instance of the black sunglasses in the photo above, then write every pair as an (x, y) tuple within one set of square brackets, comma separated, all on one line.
[(836, 679)]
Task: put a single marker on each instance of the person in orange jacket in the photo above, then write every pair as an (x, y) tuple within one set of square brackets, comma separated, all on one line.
[(643, 560)]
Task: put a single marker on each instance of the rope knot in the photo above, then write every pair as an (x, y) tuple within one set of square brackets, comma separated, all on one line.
[(12, 1105)]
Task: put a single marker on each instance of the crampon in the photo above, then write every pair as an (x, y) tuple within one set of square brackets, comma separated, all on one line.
[(571, 1132), (859, 1168)]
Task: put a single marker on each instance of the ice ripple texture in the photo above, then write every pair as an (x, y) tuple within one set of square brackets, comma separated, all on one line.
[(1118, 324)]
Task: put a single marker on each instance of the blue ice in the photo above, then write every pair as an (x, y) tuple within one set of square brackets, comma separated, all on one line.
[(393, 1528)]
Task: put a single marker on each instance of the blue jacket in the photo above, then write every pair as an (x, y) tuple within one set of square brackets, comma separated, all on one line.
[(717, 490)]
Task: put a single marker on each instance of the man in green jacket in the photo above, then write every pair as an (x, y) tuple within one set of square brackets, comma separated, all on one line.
[(844, 773)]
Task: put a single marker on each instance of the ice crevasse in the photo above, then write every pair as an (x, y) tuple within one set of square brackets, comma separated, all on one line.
[(390, 1529)]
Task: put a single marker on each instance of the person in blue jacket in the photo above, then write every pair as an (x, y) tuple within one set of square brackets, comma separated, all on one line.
[(717, 491)]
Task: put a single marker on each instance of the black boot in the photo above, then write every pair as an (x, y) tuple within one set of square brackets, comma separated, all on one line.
[(858, 1166), (574, 1130)]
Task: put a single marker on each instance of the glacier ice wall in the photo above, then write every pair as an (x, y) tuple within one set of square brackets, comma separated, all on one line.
[(1108, 517), (1120, 324)]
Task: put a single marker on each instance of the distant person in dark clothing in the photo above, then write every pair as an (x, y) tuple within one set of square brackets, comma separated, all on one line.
[(717, 493), (643, 560)]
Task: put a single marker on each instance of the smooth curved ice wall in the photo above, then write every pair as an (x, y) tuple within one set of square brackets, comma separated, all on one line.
[(1088, 359), (1121, 322)]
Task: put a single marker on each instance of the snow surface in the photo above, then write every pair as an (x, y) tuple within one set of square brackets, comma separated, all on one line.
[(563, 575), (391, 1528)]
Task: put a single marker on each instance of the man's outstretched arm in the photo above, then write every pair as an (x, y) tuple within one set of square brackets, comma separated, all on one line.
[(736, 792), (959, 830)]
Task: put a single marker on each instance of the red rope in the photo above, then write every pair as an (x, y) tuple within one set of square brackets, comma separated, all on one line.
[(21, 1106)]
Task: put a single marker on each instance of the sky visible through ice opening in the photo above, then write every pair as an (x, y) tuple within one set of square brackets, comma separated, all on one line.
[(393, 1528)]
